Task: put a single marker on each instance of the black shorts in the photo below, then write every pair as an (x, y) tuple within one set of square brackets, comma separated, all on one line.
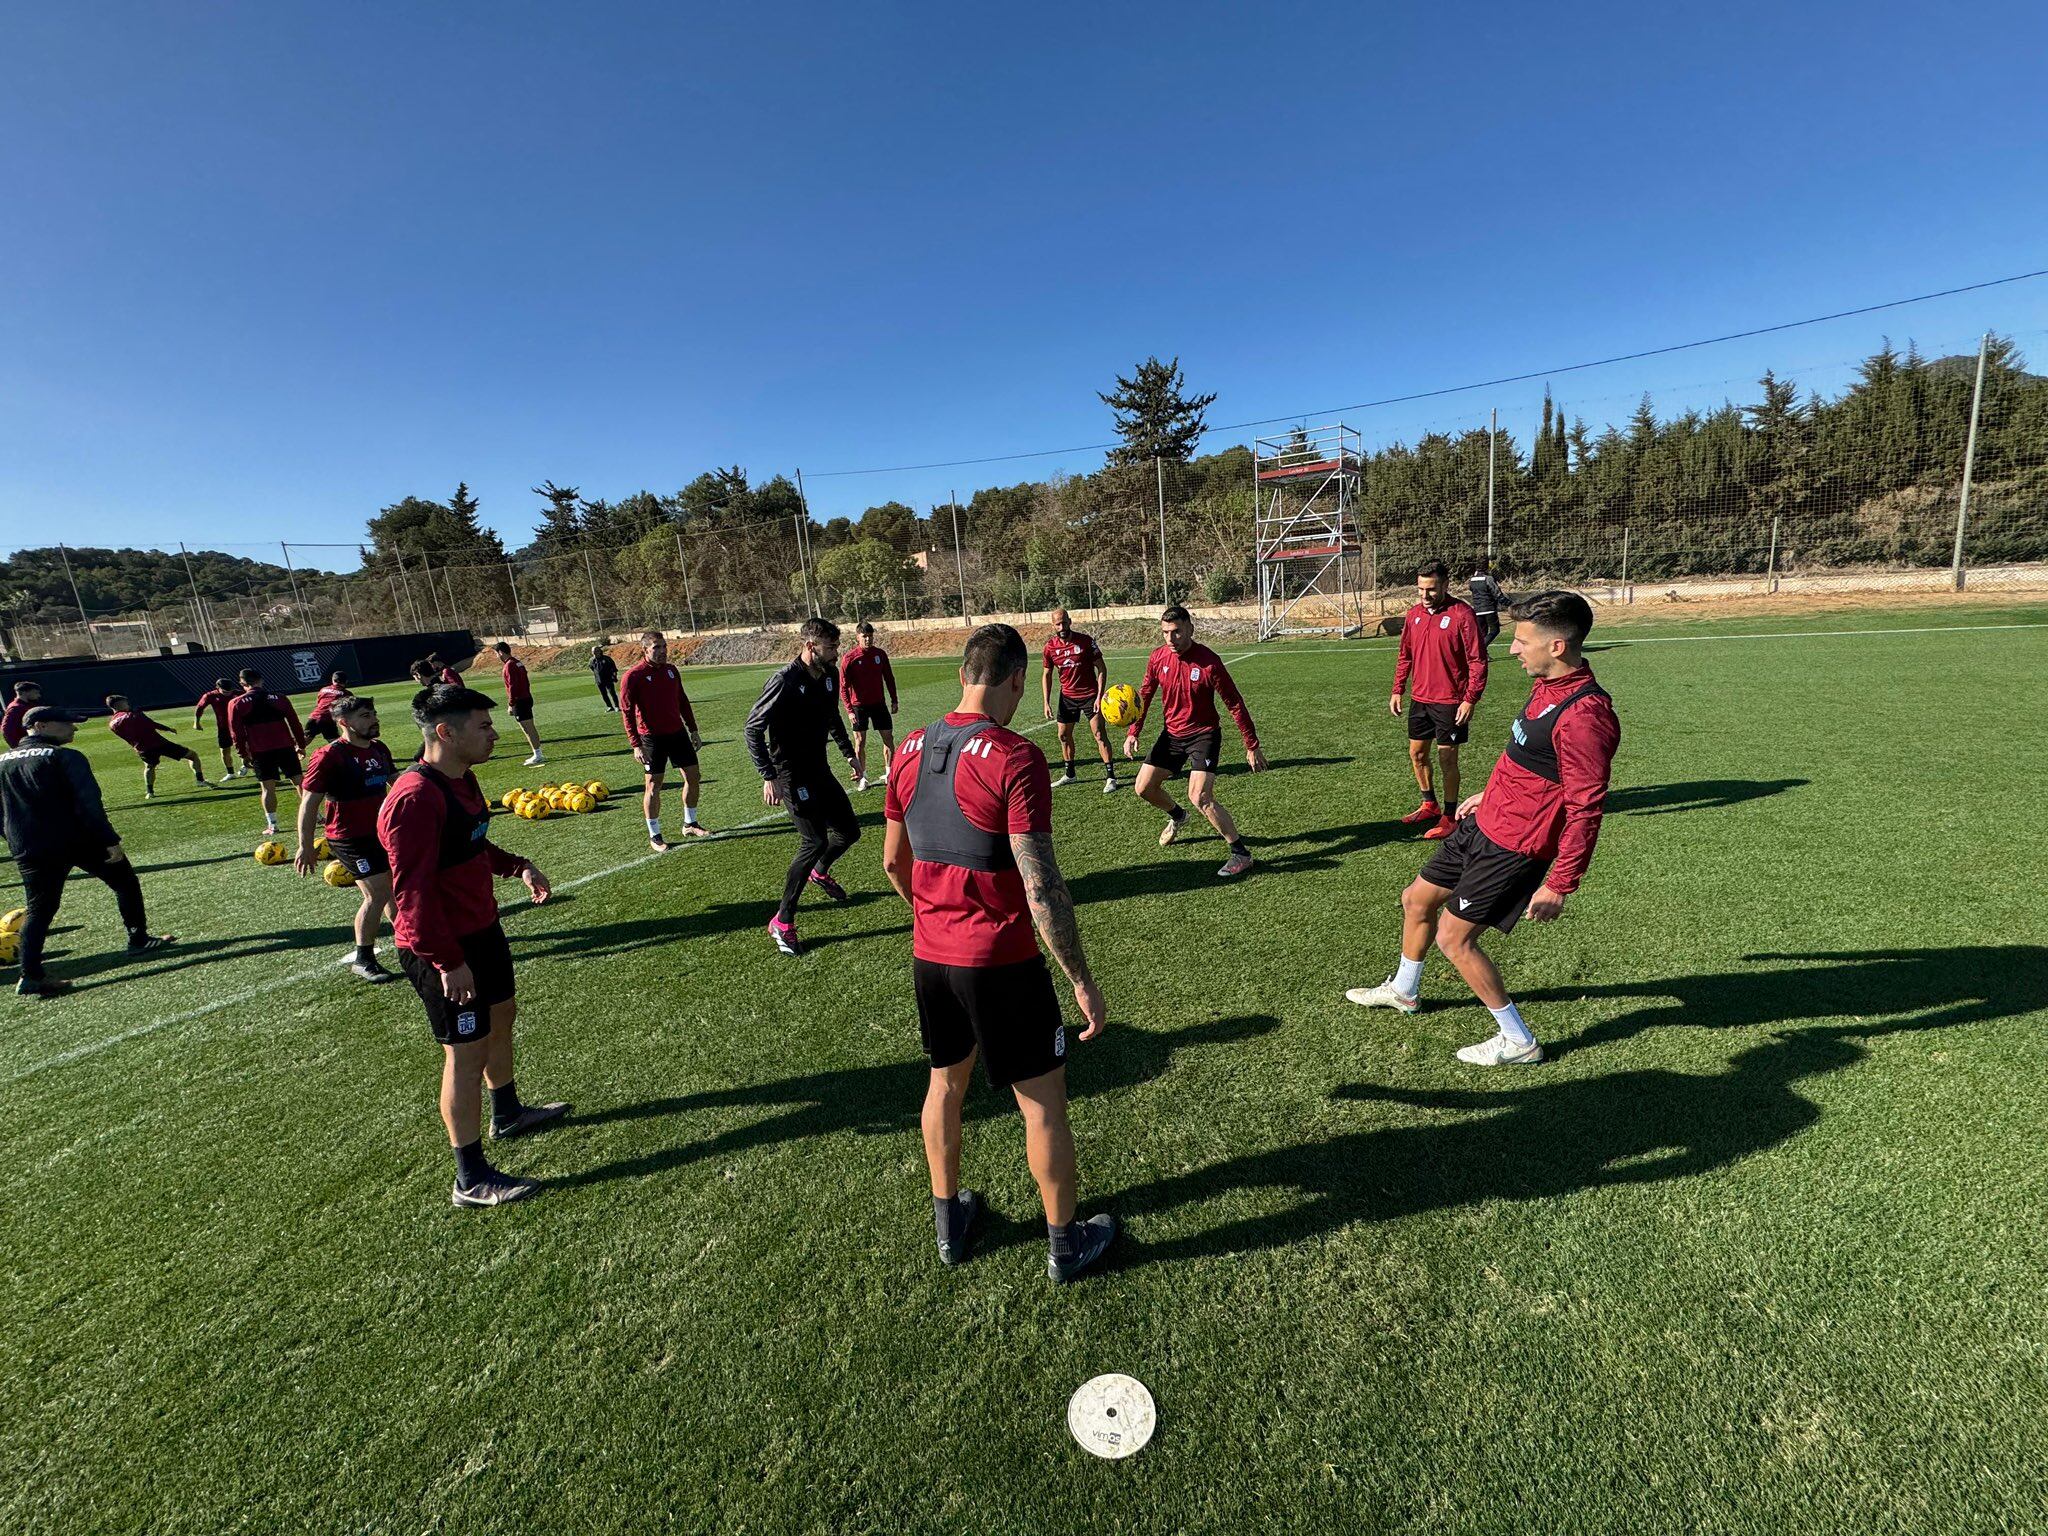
[(1009, 1013), (1436, 720), (363, 855), (1073, 711), (1489, 885), (490, 962), (520, 709), (175, 751), (662, 751), (221, 736), (327, 728), (278, 763), (872, 717), (1197, 753)]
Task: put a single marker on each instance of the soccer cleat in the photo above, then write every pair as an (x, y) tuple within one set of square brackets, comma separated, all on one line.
[(1068, 778), (658, 843), (369, 970), (535, 761), (1097, 1233), (143, 944), (494, 1188), (832, 888), (1110, 785), (1170, 831), (859, 782), (149, 794), (1427, 811), (784, 935), (695, 829), (1500, 1051), (1383, 996), (1444, 828), (43, 986), (531, 1118), (973, 1208), (1236, 864)]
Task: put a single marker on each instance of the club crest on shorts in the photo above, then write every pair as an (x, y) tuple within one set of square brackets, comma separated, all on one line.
[(465, 1023), (1059, 1041)]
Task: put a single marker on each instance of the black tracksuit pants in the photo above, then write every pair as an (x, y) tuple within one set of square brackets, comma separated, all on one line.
[(825, 828), (43, 877)]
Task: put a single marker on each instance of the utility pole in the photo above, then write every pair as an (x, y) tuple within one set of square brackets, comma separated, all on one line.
[(1492, 431), (1159, 472), (83, 622), (683, 565), (305, 619), (1970, 457), (803, 539), (198, 607), (518, 612), (959, 564), (590, 574)]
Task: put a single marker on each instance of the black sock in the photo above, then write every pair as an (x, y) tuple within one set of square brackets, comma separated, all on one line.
[(470, 1167), (365, 953), (505, 1105), (1237, 846), (1065, 1241), (1177, 815), (948, 1218), (1070, 766)]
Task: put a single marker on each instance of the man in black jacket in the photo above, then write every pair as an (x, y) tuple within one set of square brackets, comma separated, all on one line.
[(786, 738), (605, 673), (55, 823)]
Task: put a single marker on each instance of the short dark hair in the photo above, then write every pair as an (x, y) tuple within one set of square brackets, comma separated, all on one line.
[(117, 701), (23, 689), (1482, 565), (502, 648), (864, 628), (818, 629), (995, 653), (352, 703), (1173, 613), (445, 702), (1561, 613), (422, 670), (1432, 568), (652, 634), (222, 684), (249, 675), (337, 676)]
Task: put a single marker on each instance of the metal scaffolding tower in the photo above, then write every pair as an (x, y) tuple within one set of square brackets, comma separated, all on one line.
[(1305, 531)]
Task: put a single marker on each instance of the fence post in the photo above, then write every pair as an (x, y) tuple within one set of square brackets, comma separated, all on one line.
[(305, 619), (959, 564), (1374, 577), (1970, 457), (1627, 596), (1159, 470), (83, 622), (683, 565), (349, 603), (1492, 430), (518, 610), (590, 574), (198, 609), (1771, 572)]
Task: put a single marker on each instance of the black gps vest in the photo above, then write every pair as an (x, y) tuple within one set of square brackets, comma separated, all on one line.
[(1529, 739), (358, 780), (940, 832), (263, 708), (463, 833)]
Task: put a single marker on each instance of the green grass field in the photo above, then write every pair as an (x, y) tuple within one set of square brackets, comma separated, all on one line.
[(1759, 1250)]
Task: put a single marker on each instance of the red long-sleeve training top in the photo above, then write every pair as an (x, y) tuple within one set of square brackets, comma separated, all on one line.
[(1191, 682), (652, 701), (518, 686), (1525, 812), (11, 727), (434, 909), (138, 730), (216, 701), (865, 677), (262, 721), (1443, 658)]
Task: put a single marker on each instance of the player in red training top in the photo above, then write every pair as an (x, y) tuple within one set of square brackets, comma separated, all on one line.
[(435, 828), (146, 736), (267, 733), (1442, 665), (13, 727), (662, 729), (321, 721), (1191, 676), (1523, 843), (865, 678), (969, 846), (217, 698), (519, 699), (1083, 675), (352, 774)]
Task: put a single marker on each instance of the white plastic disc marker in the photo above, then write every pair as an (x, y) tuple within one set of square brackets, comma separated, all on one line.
[(1112, 1416)]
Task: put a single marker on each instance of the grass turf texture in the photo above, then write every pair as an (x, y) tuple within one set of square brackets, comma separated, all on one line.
[(1759, 1249)]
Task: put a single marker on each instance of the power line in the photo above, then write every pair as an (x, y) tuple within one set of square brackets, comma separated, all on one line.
[(1455, 389)]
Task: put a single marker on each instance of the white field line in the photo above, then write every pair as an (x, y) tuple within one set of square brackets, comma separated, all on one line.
[(1304, 648), (172, 1020)]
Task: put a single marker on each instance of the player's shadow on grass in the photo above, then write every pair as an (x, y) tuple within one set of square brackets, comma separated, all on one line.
[(1695, 795), (721, 917), (1324, 848), (222, 858), (188, 955), (886, 1099)]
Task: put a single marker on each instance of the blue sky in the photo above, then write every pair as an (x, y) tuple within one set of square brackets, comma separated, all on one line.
[(273, 266)]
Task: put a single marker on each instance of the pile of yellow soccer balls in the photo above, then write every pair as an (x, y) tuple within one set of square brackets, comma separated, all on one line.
[(569, 799)]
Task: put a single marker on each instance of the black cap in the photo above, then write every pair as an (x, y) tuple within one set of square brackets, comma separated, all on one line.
[(42, 712)]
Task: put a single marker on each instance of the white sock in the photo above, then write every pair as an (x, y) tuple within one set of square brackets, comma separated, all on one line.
[(269, 822), (1510, 1021), (689, 815), (654, 826), (1408, 976)]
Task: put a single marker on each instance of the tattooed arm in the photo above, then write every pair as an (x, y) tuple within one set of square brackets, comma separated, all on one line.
[(1052, 913)]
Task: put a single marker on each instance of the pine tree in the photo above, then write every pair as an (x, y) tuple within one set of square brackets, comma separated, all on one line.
[(561, 521), (464, 506), (1154, 415)]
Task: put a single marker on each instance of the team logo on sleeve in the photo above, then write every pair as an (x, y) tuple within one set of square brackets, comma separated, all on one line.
[(1444, 622)]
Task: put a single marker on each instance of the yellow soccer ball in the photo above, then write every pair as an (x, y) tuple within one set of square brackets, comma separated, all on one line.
[(338, 873), (320, 848), (596, 790), (510, 799), (12, 922), (580, 802), (539, 810), (270, 851), (10, 947), (1120, 704)]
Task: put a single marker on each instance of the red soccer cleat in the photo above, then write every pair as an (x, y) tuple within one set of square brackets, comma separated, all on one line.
[(1427, 811), (1444, 828)]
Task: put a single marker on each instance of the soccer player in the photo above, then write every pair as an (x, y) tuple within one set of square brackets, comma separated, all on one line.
[(351, 775), (1191, 676), (14, 721), (1485, 599), (662, 729), (426, 671), (1083, 675), (1442, 663), (435, 827), (268, 735), (786, 739), (55, 822), (1523, 843), (864, 677), (446, 671), (969, 846), (605, 673), (321, 722), (519, 699), (217, 699), (146, 736)]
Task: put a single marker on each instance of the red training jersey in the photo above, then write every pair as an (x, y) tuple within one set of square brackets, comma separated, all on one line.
[(1525, 812), (138, 730), (325, 700), (434, 909), (11, 727), (216, 701), (518, 688), (865, 676), (262, 721), (452, 677), (652, 701), (972, 916), (355, 781), (1443, 658), (1191, 682), (1077, 659)]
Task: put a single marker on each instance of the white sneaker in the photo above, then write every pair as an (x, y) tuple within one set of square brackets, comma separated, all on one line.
[(1383, 996), (1068, 779), (1500, 1051), (534, 761), (860, 784), (1169, 832), (1110, 786)]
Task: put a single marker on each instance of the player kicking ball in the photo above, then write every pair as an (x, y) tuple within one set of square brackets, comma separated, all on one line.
[(1077, 661), (1191, 677), (146, 737), (1522, 844)]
